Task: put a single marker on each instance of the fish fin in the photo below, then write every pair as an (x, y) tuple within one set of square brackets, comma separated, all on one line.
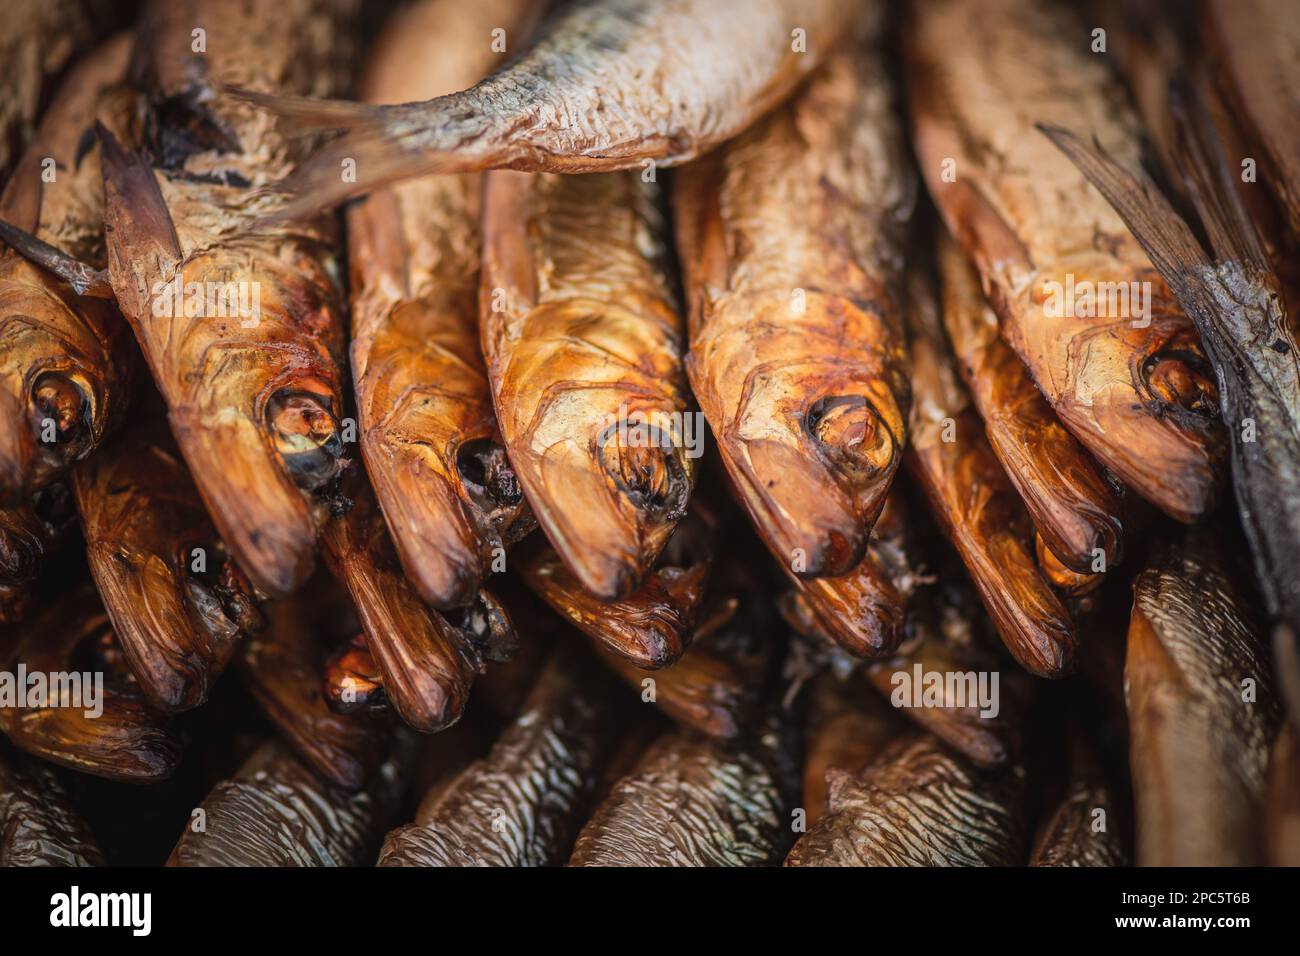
[(383, 144), (1209, 183), (1171, 245), (138, 224), (84, 279)]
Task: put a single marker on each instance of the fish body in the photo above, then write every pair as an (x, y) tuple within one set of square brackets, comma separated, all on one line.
[(427, 431), (242, 329), (584, 346), (791, 243), (38, 825), (65, 358), (611, 84), (1079, 301)]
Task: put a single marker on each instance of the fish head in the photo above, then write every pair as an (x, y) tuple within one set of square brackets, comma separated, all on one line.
[(58, 384), (1133, 382)]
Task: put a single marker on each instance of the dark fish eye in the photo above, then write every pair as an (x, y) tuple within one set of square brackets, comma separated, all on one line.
[(62, 399), (851, 433), (306, 436), (486, 475)]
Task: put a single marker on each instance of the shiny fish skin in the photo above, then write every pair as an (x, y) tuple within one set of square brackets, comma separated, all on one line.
[(65, 358), (143, 521), (522, 804), (255, 402), (1140, 399), (276, 812), (1071, 504), (584, 349), (692, 801), (128, 742), (1260, 45), (423, 403), (791, 243), (918, 805), (613, 84), (977, 505), (1198, 751), (38, 826)]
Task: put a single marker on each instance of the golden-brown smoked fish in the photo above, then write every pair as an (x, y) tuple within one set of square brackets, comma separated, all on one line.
[(113, 734), (612, 84), (522, 804), (584, 348), (1074, 508), (65, 357), (179, 605), (38, 826), (791, 244), (1111, 351), (1201, 713), (977, 505), (243, 330), (424, 409)]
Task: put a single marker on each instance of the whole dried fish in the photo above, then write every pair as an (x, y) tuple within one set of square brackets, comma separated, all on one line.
[(1236, 301), (178, 604), (427, 430), (584, 352), (40, 38), (791, 244), (65, 358), (38, 826), (276, 812), (1073, 507), (283, 667), (613, 84), (919, 805), (1096, 327), (1201, 712), (976, 503), (242, 330), (652, 627), (427, 662), (124, 740), (696, 801), (1257, 40), (522, 804)]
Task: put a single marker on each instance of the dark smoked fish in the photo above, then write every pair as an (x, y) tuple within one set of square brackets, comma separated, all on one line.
[(276, 812), (1201, 713), (424, 409), (1073, 507), (918, 804), (29, 536), (179, 605), (612, 84), (38, 825), (243, 330), (584, 348), (977, 505), (522, 804), (1082, 827), (791, 243), (1117, 360), (127, 741), (1237, 302), (847, 727), (65, 357), (695, 801)]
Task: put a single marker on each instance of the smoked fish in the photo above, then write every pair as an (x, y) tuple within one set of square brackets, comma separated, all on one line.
[(584, 346), (611, 84), (1201, 713), (65, 357), (1098, 329), (424, 409), (791, 241), (242, 329), (38, 825)]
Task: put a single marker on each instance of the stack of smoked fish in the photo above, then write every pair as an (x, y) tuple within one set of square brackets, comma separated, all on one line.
[(650, 433)]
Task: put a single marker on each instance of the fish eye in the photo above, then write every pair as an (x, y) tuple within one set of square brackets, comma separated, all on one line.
[(486, 475), (488, 627), (306, 436), (63, 400), (1180, 377), (851, 433), (643, 460)]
